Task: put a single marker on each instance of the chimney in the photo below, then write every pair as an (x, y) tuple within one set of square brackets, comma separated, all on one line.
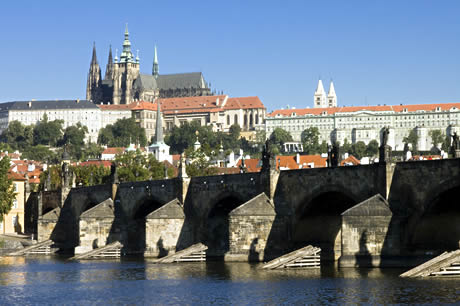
[(297, 159), (217, 102), (30, 104), (78, 100)]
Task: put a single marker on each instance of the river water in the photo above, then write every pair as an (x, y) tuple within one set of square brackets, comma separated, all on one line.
[(36, 281)]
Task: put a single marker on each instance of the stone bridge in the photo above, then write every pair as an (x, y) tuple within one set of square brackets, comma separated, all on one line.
[(372, 215)]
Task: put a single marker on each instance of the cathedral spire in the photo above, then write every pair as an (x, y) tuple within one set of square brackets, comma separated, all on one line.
[(159, 125), (94, 58), (155, 69), (126, 55), (109, 67)]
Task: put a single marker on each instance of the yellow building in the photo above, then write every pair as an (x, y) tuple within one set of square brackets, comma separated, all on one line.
[(13, 222)]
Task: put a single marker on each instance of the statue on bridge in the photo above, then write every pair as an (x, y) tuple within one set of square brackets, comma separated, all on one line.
[(333, 155), (455, 146), (267, 158), (385, 149)]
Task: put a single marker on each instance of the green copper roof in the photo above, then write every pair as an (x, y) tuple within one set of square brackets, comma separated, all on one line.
[(126, 55)]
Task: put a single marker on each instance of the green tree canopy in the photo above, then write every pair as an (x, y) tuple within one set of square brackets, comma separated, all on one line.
[(310, 140), (48, 132), (17, 135), (346, 147), (40, 152), (122, 133), (412, 138), (135, 166), (200, 165), (372, 148), (358, 149), (437, 137), (278, 137), (7, 194)]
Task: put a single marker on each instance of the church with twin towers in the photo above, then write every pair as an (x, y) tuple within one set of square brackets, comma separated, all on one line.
[(323, 100), (123, 83)]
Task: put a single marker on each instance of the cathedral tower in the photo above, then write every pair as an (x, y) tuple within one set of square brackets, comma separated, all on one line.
[(93, 85), (320, 96), (126, 71), (109, 67), (331, 96)]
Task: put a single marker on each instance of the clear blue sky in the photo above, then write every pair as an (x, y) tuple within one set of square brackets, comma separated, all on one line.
[(375, 51)]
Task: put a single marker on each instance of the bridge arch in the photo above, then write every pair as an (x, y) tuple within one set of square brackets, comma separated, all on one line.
[(216, 234), (136, 223), (318, 219), (436, 227)]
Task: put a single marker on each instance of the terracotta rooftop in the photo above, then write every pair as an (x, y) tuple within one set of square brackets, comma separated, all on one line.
[(16, 176), (350, 159), (105, 163), (252, 164), (351, 109), (289, 161)]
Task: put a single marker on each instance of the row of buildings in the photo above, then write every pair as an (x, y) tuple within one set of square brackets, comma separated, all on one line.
[(220, 112), (365, 123)]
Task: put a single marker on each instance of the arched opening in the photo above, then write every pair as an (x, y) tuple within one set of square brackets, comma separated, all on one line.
[(320, 224), (217, 227), (251, 120), (236, 119), (437, 230), (228, 119), (136, 226)]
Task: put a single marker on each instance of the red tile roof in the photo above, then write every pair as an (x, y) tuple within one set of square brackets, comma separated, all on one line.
[(16, 176), (252, 164), (350, 159), (244, 103), (289, 161), (113, 150), (350, 109)]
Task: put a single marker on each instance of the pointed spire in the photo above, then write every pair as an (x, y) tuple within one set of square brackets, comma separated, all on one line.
[(94, 58), (159, 125), (126, 55), (320, 87), (109, 67), (155, 69), (331, 89), (110, 60)]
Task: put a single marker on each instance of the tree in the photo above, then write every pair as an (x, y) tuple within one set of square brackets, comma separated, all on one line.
[(412, 138), (7, 194), (278, 137), (235, 131), (372, 148), (122, 133), (93, 151), (200, 165), (445, 146), (74, 139), (48, 132), (39, 152), (323, 147), (358, 149), (105, 136), (90, 175), (437, 137), (310, 140), (135, 166), (346, 147), (17, 135)]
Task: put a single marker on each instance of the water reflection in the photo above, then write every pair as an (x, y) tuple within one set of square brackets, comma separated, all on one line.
[(51, 281)]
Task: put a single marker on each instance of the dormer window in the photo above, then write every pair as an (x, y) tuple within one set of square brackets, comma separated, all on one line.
[(438, 109), (293, 114)]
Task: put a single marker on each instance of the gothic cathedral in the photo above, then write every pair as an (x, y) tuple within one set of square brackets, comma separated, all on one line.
[(123, 83)]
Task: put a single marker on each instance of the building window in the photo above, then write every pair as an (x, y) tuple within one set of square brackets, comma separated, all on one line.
[(236, 119), (15, 187), (15, 220), (228, 119), (15, 203)]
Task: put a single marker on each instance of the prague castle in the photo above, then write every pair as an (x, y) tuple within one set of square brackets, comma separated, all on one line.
[(123, 82)]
